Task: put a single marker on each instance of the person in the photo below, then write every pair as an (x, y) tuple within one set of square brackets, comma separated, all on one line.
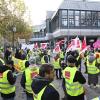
[(56, 63), (7, 81), (49, 54), (73, 80), (42, 86), (44, 58), (26, 80), (76, 55), (93, 70), (7, 54)]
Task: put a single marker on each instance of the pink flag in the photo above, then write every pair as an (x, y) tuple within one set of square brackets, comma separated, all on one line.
[(36, 45), (43, 45), (56, 49)]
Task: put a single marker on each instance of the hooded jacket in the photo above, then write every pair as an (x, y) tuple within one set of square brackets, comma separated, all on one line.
[(50, 92)]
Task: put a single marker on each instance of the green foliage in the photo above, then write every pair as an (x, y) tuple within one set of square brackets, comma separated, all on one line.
[(11, 14)]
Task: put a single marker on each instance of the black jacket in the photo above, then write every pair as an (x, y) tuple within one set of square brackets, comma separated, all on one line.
[(11, 79), (46, 58), (49, 94)]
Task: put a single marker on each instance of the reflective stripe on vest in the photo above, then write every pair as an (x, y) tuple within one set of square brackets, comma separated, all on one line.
[(29, 76), (72, 88), (5, 87), (39, 95), (92, 69)]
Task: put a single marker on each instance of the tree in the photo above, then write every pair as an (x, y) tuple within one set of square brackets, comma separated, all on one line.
[(11, 14)]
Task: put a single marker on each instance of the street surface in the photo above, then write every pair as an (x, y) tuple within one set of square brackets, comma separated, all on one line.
[(90, 94)]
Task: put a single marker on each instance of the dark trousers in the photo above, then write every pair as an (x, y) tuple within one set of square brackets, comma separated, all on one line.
[(58, 73), (93, 79), (29, 97), (8, 98), (49, 57)]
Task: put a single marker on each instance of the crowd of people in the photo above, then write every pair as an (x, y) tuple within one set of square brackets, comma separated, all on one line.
[(40, 67)]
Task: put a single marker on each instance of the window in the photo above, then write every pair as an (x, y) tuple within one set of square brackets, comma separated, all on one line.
[(88, 18), (76, 18), (71, 18), (64, 18), (83, 19), (94, 19), (99, 19), (64, 22)]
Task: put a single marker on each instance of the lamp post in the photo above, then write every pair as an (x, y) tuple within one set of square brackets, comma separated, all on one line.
[(14, 30)]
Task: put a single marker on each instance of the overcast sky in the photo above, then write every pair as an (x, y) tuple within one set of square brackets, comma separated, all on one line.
[(38, 9)]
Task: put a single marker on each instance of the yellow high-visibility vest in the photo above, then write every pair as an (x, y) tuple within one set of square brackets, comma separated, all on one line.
[(39, 95), (42, 60), (30, 74), (72, 88), (56, 63), (92, 69), (5, 86)]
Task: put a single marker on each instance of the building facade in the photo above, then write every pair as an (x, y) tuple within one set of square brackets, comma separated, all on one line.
[(74, 18)]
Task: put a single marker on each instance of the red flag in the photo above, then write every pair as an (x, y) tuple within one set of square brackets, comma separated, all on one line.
[(84, 45)]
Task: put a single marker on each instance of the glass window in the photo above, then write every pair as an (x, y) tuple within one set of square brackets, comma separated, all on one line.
[(99, 19), (94, 19), (64, 13), (83, 19), (64, 22), (71, 18), (64, 18), (88, 18), (76, 18)]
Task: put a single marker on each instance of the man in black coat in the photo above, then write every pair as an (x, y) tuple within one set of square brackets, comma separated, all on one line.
[(46, 76)]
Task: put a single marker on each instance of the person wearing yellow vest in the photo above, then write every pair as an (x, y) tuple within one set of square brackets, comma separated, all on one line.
[(42, 87), (73, 80), (49, 54), (30, 72), (7, 81), (93, 70), (56, 63), (44, 58), (62, 55)]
